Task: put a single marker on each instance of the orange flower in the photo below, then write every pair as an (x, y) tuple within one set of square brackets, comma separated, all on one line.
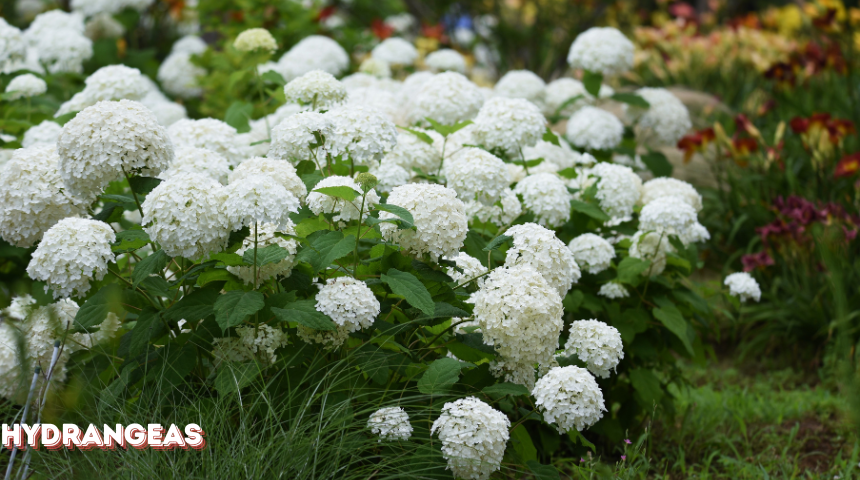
[(849, 165), (696, 142)]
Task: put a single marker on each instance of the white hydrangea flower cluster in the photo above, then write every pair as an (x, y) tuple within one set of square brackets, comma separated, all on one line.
[(166, 111), (185, 215), (32, 195), (346, 211), (281, 172), (38, 328), (385, 101), (211, 134), (522, 84), (670, 187), (501, 213), (266, 235), (560, 91), (361, 133), (316, 88), (109, 140), (13, 49), (545, 195), (389, 175), (45, 132), (191, 44), (375, 67), (602, 50), (613, 291), (113, 82), (59, 42), (90, 8), (743, 286), (597, 344), (395, 51), (104, 26), (329, 339), (474, 436), (412, 152), (27, 85), (509, 124), (667, 119), (618, 188), (539, 248), (258, 199), (390, 423), (570, 398), (471, 267), (292, 138), (476, 174), (193, 160), (592, 252), (178, 75), (440, 220), (349, 302), (315, 52), (674, 216), (255, 39), (252, 343), (555, 157), (447, 98), (595, 129), (446, 59), (72, 253), (652, 246), (520, 314)]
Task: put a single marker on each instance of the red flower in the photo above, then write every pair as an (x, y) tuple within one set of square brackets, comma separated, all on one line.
[(683, 10), (696, 142), (433, 31), (849, 165), (380, 29), (752, 261)]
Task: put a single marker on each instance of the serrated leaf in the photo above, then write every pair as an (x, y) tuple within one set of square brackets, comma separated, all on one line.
[(233, 307), (500, 389), (325, 248), (228, 259), (272, 76), (529, 163), (658, 164), (446, 130), (589, 209), (443, 310), (631, 99), (671, 318), (523, 445), (96, 308), (266, 255), (238, 116), (421, 135), (305, 313), (568, 173), (543, 472), (143, 185), (440, 376), (130, 240), (428, 273), (592, 82), (215, 275), (311, 225), (234, 377), (400, 212), (126, 201), (409, 287), (497, 242), (346, 193), (551, 137), (154, 263), (476, 341), (149, 326), (195, 306), (631, 269)]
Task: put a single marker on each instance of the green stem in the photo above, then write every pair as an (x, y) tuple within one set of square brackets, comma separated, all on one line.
[(357, 238), (255, 254), (133, 194), (262, 103)]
